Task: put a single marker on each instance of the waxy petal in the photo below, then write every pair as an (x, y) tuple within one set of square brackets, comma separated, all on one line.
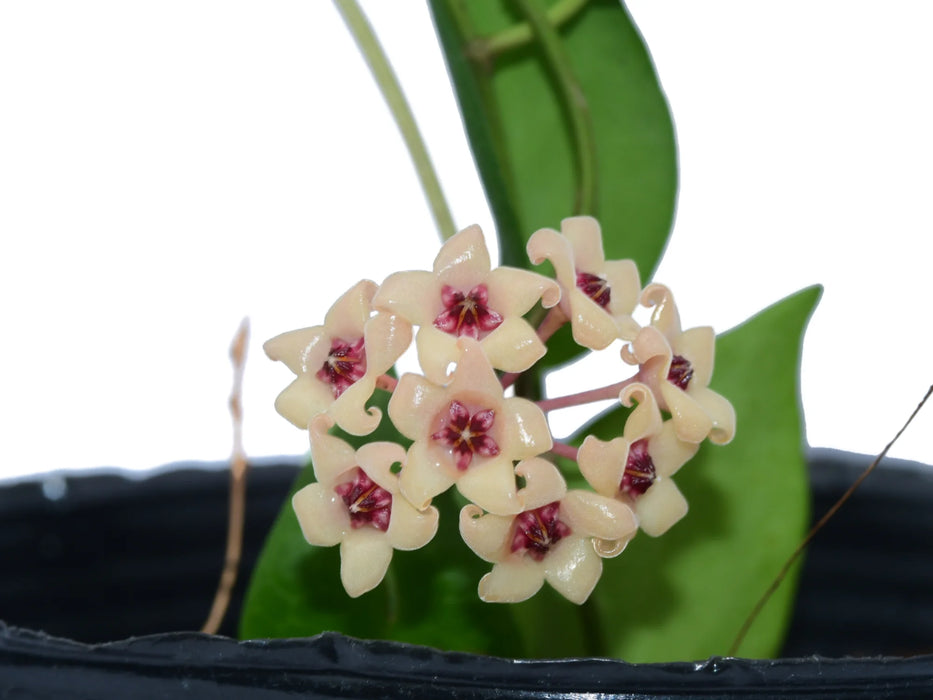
[(486, 534), (591, 325), (548, 244), (721, 414), (474, 374), (415, 404), (665, 316), (516, 291), (697, 345), (303, 399), (409, 527), (490, 484), (321, 514), (348, 316), (573, 568), (413, 295), (463, 261), (364, 559), (437, 350), (425, 474), (586, 241), (350, 411), (648, 344), (302, 350), (593, 515), (660, 507), (602, 464), (387, 337), (668, 452), (512, 581), (691, 421), (645, 420), (524, 429), (543, 483), (331, 456), (513, 346), (625, 287), (377, 458)]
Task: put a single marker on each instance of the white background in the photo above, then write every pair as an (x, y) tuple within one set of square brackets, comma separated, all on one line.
[(169, 167)]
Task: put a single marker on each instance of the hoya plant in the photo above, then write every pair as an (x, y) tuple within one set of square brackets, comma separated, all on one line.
[(438, 507)]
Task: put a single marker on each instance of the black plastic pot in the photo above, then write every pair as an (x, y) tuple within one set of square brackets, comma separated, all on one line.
[(99, 558)]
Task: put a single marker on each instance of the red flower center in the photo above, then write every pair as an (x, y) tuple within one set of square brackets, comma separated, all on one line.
[(466, 433), (639, 470), (595, 287), (345, 364), (681, 372), (467, 314), (366, 501), (536, 531)]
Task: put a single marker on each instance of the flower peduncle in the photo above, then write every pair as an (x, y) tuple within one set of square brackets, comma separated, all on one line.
[(612, 391)]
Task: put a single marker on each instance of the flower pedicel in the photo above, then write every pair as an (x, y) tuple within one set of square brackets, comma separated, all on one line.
[(465, 431)]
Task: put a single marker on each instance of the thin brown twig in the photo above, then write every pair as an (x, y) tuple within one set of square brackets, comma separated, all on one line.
[(740, 637), (238, 470)]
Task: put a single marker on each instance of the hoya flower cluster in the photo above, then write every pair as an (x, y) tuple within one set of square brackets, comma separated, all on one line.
[(472, 341)]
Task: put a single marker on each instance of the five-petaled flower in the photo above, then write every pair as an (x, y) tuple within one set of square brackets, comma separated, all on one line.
[(636, 468), (337, 363), (460, 298), (559, 537), (597, 295), (356, 503), (677, 366), (466, 433)]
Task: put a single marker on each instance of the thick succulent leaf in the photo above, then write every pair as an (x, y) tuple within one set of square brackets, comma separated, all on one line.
[(684, 595), (519, 130), (428, 597)]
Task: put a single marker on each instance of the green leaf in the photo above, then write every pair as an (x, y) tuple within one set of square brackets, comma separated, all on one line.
[(685, 594), (429, 595), (521, 136)]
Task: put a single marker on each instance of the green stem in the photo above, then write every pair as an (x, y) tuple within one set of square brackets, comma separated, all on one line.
[(573, 101), (521, 34), (471, 72), (392, 92)]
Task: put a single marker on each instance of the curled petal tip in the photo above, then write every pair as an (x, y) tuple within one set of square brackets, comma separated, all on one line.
[(320, 424), (655, 294), (609, 549), (634, 393)]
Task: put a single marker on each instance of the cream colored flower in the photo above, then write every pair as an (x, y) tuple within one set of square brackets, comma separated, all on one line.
[(466, 433), (356, 503), (337, 363), (560, 537), (677, 365), (461, 297), (597, 295), (636, 468)]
